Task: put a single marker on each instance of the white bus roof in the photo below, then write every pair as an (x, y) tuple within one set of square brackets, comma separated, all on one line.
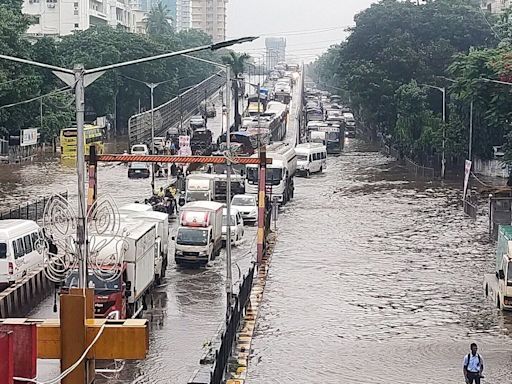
[(14, 227)]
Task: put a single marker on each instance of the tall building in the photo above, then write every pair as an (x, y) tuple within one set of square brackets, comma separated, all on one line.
[(496, 6), (63, 17), (208, 16), (276, 50)]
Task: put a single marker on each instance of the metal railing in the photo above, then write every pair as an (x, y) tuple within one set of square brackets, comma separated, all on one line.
[(176, 110), (223, 354), (470, 208), (29, 211), (419, 171)]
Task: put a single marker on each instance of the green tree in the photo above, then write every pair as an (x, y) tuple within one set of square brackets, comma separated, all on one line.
[(158, 21), (237, 63), (394, 42)]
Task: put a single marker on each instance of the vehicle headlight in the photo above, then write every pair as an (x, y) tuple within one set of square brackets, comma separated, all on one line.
[(179, 252), (233, 233), (203, 253)]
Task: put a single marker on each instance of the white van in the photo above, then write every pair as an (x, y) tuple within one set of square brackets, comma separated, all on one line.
[(18, 254), (311, 158)]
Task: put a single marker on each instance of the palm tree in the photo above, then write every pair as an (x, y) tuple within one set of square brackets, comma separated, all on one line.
[(158, 21), (237, 63)]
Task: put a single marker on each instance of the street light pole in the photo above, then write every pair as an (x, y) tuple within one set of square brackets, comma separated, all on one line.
[(470, 131), (229, 277), (443, 160), (80, 170), (152, 88)]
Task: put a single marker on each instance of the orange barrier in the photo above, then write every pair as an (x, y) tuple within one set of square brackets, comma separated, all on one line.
[(176, 159)]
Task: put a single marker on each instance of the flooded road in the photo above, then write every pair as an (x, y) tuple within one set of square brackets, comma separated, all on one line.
[(189, 305), (385, 287)]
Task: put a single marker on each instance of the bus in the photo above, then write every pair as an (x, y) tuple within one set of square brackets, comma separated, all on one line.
[(93, 136)]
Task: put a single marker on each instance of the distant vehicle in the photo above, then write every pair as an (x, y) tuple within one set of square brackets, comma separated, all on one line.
[(19, 250), (140, 149), (201, 142), (279, 175), (350, 124), (197, 122), (139, 170), (317, 137), (200, 187), (247, 205), (208, 109), (236, 224), (159, 143), (311, 158), (199, 236), (498, 286)]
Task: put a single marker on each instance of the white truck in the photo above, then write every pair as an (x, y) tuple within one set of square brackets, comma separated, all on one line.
[(199, 236), (125, 296), (138, 213), (279, 175), (200, 187), (498, 286)]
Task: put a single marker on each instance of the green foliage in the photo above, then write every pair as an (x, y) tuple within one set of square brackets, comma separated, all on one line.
[(158, 21), (392, 44)]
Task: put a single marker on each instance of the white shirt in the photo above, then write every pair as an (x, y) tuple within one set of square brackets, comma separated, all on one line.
[(474, 364)]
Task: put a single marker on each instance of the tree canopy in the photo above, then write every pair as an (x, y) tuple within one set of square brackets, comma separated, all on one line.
[(392, 52)]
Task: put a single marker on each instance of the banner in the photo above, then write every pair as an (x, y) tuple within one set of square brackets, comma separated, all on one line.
[(467, 173), (28, 137)]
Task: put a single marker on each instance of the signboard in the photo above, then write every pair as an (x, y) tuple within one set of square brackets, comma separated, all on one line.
[(328, 129), (28, 137), (467, 173), (185, 150)]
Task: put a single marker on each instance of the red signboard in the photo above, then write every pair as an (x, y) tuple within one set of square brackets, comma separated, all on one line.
[(24, 338), (7, 358)]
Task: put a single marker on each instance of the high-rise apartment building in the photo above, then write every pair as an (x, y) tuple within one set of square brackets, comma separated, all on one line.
[(496, 6), (63, 17), (208, 16), (276, 50)]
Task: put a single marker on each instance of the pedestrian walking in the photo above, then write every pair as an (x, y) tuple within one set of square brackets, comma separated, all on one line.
[(473, 366)]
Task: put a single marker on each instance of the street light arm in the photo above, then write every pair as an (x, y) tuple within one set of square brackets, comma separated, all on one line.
[(223, 66), (36, 64), (213, 47)]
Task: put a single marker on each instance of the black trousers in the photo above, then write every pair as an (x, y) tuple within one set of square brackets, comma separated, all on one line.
[(473, 377)]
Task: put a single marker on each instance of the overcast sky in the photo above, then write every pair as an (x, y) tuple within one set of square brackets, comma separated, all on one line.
[(309, 26)]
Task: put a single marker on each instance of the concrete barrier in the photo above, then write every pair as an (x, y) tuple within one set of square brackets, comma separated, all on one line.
[(20, 298)]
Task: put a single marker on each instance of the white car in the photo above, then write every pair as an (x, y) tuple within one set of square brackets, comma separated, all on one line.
[(140, 149), (247, 205), (237, 226)]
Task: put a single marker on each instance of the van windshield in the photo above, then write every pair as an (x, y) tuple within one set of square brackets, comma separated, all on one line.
[(509, 274), (189, 236), (302, 157), (3, 250), (198, 196)]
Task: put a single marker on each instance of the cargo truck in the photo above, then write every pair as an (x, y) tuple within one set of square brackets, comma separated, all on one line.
[(125, 296), (200, 187), (199, 236), (138, 213), (498, 286)]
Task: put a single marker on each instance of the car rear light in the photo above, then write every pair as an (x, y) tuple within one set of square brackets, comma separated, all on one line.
[(11, 268)]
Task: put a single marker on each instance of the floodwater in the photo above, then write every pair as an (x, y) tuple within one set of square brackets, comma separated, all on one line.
[(375, 278), (189, 305), (386, 287)]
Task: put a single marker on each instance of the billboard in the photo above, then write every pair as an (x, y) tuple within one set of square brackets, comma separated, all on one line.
[(28, 137)]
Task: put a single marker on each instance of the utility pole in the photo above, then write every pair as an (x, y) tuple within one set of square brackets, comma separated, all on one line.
[(229, 277), (443, 160), (81, 238), (152, 88), (470, 131)]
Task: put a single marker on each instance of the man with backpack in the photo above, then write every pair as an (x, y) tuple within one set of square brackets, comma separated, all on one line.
[(473, 366)]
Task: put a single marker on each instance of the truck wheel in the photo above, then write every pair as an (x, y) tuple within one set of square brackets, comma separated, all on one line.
[(158, 279), (308, 174), (498, 303), (486, 290)]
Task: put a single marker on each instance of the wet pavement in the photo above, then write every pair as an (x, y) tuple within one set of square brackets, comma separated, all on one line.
[(375, 278), (386, 287), (189, 305)]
